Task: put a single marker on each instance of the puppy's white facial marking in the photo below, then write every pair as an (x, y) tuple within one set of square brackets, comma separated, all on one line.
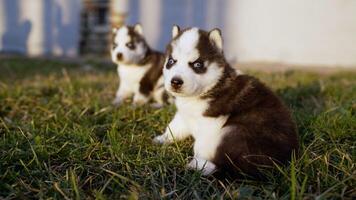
[(121, 44), (184, 48), (185, 53)]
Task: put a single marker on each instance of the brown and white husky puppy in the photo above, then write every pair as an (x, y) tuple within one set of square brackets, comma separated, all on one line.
[(238, 123), (139, 67)]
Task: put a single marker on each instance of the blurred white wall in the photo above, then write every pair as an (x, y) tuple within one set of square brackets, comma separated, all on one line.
[(40, 27), (154, 19), (295, 31), (306, 32)]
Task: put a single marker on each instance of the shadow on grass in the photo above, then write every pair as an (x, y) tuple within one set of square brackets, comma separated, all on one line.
[(21, 68)]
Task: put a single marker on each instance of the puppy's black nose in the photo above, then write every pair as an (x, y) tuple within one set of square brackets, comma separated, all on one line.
[(119, 56), (176, 82)]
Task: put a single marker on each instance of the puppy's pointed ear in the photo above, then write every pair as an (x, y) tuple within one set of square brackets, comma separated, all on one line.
[(175, 31), (114, 30), (138, 29), (215, 38)]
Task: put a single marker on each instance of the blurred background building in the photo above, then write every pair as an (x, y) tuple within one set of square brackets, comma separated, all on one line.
[(40, 27), (318, 32), (94, 27)]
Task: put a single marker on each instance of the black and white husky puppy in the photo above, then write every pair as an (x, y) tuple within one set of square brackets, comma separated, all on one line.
[(237, 122), (139, 67)]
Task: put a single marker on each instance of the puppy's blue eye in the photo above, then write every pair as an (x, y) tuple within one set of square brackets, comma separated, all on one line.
[(198, 64), (130, 45), (170, 62)]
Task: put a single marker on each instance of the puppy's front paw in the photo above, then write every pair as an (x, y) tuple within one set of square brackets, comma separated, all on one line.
[(117, 101), (156, 105), (206, 167), (140, 99), (161, 139)]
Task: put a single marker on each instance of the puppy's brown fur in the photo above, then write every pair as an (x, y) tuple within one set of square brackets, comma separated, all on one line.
[(261, 129)]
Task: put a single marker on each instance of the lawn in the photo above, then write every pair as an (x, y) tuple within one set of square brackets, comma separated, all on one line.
[(60, 138)]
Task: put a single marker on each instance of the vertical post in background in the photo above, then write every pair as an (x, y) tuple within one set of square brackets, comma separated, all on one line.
[(150, 18), (2, 24), (33, 13), (118, 12), (232, 11)]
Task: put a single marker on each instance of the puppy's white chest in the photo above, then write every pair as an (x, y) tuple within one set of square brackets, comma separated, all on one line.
[(131, 75), (207, 131)]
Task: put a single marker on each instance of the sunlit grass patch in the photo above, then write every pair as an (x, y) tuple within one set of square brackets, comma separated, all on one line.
[(61, 138)]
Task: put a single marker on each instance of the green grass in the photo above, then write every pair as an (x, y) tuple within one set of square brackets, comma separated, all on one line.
[(60, 138)]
